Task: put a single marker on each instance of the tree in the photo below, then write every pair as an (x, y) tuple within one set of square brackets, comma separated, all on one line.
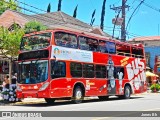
[(34, 26), (102, 15), (59, 5), (10, 42), (8, 4), (49, 8), (75, 12), (93, 19)]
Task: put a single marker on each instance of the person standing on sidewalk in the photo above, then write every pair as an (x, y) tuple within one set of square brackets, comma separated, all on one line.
[(5, 89), (6, 82)]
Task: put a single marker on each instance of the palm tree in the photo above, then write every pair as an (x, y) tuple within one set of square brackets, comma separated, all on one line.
[(102, 15), (49, 7), (75, 12), (59, 5), (93, 19)]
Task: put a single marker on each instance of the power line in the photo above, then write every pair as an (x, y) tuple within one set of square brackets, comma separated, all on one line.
[(30, 6), (37, 14), (119, 9), (152, 7), (48, 15), (44, 16), (134, 12)]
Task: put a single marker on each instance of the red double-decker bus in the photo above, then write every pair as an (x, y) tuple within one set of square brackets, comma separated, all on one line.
[(62, 63)]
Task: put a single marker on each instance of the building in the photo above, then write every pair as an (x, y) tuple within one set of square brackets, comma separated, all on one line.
[(152, 51)]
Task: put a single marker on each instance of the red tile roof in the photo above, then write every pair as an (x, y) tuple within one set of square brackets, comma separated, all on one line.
[(147, 38)]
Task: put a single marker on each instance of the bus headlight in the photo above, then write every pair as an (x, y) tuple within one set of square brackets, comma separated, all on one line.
[(18, 88), (44, 86)]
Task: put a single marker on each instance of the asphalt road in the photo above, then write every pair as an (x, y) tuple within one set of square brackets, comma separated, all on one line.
[(94, 109)]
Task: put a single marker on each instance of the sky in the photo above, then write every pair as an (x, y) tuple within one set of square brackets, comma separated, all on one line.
[(145, 20)]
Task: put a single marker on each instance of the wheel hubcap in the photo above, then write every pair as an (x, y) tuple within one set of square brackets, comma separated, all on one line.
[(127, 92), (78, 95)]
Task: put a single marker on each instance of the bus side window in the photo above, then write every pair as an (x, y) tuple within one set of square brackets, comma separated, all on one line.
[(72, 43), (137, 52), (100, 71), (102, 46), (58, 69), (123, 49), (66, 39), (76, 69), (119, 73), (88, 70), (93, 44), (83, 43), (111, 47)]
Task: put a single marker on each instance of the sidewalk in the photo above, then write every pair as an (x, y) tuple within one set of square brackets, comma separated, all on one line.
[(27, 100)]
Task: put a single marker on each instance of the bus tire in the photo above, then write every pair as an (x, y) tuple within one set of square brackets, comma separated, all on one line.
[(77, 95), (127, 92), (103, 97), (49, 100)]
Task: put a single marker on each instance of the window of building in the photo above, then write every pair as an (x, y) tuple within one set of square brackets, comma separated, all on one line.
[(100, 71), (88, 70), (58, 69), (76, 69), (66, 39), (14, 26), (89, 44)]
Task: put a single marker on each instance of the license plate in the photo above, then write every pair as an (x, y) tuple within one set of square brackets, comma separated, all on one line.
[(29, 96)]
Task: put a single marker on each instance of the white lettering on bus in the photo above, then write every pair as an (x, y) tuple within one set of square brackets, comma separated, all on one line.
[(135, 72), (130, 72)]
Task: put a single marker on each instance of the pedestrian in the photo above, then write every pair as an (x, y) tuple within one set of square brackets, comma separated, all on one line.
[(14, 79), (12, 93), (6, 82), (3, 85)]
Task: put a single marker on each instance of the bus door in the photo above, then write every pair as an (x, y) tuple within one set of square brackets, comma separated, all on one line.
[(58, 83)]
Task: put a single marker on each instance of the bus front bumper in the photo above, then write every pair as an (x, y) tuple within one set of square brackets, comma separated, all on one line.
[(32, 94)]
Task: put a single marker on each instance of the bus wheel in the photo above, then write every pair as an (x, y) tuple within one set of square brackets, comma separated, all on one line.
[(49, 100), (78, 95), (103, 97), (127, 92)]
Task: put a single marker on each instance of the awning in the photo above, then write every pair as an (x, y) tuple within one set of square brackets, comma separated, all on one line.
[(148, 73)]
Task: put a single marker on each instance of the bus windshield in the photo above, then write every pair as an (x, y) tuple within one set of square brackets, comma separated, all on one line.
[(35, 42), (33, 72)]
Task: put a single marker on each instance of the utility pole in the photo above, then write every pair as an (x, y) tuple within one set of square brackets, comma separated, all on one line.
[(123, 9), (123, 30)]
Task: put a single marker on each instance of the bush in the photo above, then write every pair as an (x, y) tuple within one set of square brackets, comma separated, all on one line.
[(155, 87)]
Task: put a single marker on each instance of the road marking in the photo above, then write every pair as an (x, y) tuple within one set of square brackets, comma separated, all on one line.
[(101, 118)]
